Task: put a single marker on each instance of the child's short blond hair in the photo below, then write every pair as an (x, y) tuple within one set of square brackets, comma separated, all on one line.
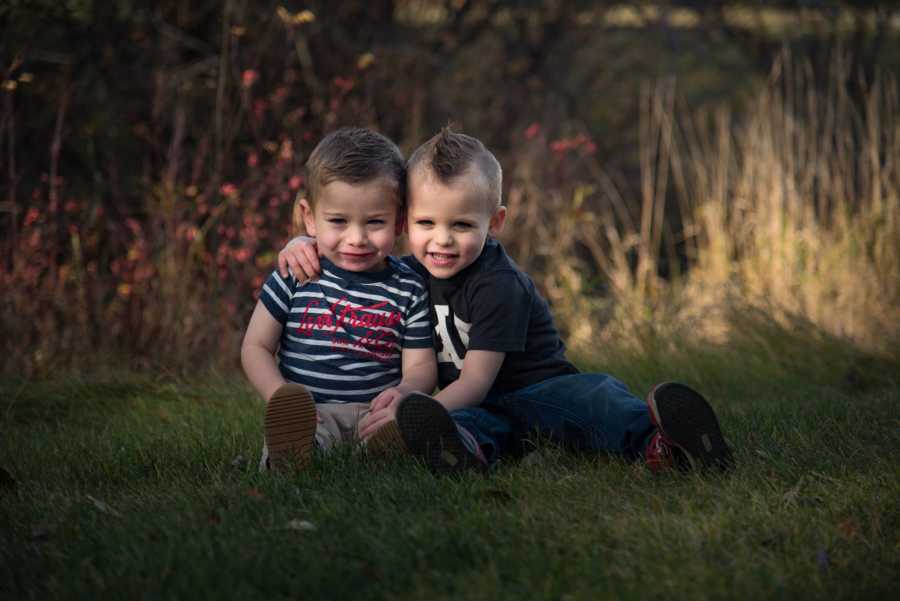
[(449, 155)]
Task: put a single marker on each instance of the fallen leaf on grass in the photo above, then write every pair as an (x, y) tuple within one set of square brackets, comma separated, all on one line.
[(7, 482), (497, 494), (255, 493), (103, 507), (848, 528), (300, 525), (239, 462), (773, 541), (533, 459), (370, 571), (791, 496), (40, 533)]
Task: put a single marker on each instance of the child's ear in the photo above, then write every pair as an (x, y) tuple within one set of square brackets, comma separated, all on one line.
[(497, 220), (309, 218)]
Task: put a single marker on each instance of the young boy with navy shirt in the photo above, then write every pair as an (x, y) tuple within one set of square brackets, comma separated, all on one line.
[(362, 331), (503, 374)]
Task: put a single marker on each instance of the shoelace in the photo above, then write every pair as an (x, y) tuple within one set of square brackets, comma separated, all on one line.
[(658, 454), (471, 443)]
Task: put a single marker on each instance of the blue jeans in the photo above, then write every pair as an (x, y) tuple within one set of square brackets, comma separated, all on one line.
[(587, 412)]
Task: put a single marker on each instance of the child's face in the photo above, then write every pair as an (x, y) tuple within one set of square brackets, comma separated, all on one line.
[(355, 225), (448, 226)]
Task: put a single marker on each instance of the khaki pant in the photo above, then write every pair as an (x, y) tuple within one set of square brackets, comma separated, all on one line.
[(340, 423), (340, 426)]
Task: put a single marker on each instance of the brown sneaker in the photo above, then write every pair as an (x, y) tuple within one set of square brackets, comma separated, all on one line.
[(290, 427), (386, 442)]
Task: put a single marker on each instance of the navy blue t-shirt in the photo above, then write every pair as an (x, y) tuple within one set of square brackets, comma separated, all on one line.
[(343, 333), (492, 305)]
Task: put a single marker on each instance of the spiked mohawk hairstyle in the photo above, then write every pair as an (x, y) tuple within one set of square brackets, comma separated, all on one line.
[(449, 155)]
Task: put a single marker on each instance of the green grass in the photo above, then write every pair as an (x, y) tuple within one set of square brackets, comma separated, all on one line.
[(127, 487)]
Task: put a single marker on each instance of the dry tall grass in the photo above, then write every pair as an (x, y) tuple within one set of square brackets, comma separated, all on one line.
[(784, 215), (790, 211)]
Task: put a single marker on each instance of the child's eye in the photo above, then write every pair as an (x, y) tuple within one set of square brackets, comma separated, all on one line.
[(337, 220), (462, 225), (376, 221), (424, 222)]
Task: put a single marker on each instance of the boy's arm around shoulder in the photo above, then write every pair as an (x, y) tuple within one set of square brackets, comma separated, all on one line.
[(258, 352), (300, 258)]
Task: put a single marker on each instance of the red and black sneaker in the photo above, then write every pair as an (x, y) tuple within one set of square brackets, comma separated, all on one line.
[(688, 434), (659, 454), (430, 434)]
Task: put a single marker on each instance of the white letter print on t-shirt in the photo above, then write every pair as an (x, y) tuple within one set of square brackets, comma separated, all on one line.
[(449, 350)]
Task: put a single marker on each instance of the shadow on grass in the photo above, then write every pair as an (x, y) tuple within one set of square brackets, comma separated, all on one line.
[(55, 401), (97, 398)]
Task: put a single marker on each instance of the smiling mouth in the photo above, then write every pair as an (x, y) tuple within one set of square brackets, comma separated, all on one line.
[(356, 256), (442, 258)]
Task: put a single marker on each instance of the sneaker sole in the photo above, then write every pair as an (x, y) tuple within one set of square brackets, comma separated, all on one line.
[(689, 421), (386, 441), (429, 433), (290, 427)]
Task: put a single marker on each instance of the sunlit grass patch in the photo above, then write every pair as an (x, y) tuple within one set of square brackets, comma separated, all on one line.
[(790, 209)]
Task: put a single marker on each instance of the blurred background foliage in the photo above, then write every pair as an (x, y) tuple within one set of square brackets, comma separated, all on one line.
[(666, 162)]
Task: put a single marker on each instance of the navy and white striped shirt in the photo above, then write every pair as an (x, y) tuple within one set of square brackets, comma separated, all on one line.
[(342, 334)]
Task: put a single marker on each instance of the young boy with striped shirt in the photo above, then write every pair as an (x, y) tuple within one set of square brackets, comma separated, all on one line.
[(358, 334)]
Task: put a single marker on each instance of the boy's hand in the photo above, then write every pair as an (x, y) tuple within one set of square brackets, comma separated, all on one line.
[(382, 410), (374, 420), (387, 397), (301, 256)]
